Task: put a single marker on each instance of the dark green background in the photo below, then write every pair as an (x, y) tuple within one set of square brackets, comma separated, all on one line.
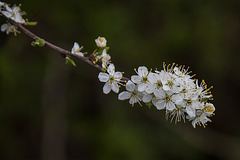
[(53, 111)]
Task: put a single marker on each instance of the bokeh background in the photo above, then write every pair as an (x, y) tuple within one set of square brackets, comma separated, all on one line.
[(53, 111)]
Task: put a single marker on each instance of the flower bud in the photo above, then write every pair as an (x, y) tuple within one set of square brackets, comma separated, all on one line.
[(101, 42)]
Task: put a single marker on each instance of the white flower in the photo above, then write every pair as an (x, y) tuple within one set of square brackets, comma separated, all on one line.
[(132, 94), (200, 119), (101, 42), (7, 27), (1, 4), (105, 58), (112, 79), (166, 101), (76, 50), (142, 80), (14, 13), (202, 90), (209, 109)]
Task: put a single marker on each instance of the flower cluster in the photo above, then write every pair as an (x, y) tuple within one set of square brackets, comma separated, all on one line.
[(13, 13), (172, 89)]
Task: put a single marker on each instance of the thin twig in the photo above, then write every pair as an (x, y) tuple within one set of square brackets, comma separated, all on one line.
[(58, 49)]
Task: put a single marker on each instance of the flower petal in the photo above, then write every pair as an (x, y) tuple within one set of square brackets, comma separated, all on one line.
[(149, 88), (136, 78), (103, 77), (161, 104), (191, 111), (152, 77), (159, 94), (170, 106), (115, 87), (141, 87), (133, 100), (111, 69), (147, 98), (106, 88), (4, 27), (142, 71), (130, 86), (6, 14), (118, 76), (124, 95)]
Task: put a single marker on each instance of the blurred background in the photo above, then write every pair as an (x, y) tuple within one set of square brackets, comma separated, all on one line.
[(53, 111)]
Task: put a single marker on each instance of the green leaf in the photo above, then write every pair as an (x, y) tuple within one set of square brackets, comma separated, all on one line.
[(38, 42), (149, 104), (104, 70), (100, 50), (70, 61), (32, 23)]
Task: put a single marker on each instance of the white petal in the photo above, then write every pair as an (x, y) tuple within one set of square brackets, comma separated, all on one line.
[(75, 48), (159, 94), (103, 77), (190, 111), (4, 27), (106, 88), (141, 87), (133, 100), (115, 87), (6, 14), (170, 106), (79, 54), (136, 78), (111, 69), (161, 104), (118, 75), (104, 53), (130, 86), (166, 88), (152, 77), (147, 98), (124, 95), (149, 88), (178, 99), (8, 8), (142, 71)]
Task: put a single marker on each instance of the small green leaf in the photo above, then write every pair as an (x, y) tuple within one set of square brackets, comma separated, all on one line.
[(100, 50), (149, 104), (41, 42), (38, 42), (104, 70), (70, 61), (32, 23)]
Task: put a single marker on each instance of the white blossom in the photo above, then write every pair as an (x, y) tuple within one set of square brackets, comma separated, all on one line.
[(8, 28), (76, 49), (142, 80), (104, 58), (13, 13), (101, 42), (111, 78), (132, 94)]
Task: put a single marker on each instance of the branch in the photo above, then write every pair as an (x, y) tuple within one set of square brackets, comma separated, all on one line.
[(58, 49), (54, 47)]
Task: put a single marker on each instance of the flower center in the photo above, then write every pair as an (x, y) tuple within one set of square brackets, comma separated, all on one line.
[(189, 101), (159, 84), (111, 78), (168, 98), (100, 39), (170, 83), (144, 79)]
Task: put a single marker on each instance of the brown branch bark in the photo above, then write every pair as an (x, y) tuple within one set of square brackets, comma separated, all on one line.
[(59, 49)]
